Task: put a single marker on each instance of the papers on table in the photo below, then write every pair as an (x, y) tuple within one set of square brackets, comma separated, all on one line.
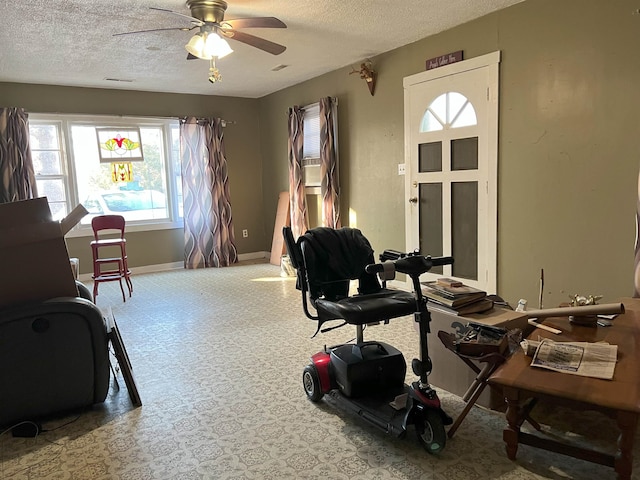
[(577, 358)]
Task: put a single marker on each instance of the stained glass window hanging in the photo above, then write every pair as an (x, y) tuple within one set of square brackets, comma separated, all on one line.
[(121, 172), (119, 144)]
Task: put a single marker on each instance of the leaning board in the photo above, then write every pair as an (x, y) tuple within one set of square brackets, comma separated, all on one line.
[(282, 220), (122, 357)]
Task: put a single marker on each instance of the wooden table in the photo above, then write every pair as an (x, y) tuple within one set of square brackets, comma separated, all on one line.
[(619, 397)]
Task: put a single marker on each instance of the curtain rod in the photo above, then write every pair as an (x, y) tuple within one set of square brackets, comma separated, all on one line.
[(335, 100), (160, 117), (224, 122)]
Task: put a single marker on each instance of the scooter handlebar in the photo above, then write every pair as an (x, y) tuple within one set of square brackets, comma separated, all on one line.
[(374, 268), (437, 261), (412, 264)]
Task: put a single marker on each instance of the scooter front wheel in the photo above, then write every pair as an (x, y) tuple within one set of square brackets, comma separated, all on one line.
[(311, 383), (430, 430)]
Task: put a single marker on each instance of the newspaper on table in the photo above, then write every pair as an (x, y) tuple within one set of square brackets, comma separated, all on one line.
[(577, 358)]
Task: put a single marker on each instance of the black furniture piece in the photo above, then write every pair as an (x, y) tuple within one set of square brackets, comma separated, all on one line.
[(326, 259), (53, 358)]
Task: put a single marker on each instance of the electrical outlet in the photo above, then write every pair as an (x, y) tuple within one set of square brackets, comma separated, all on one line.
[(245, 233), (401, 169)]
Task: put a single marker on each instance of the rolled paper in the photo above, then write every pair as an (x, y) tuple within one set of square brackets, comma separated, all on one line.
[(604, 309)]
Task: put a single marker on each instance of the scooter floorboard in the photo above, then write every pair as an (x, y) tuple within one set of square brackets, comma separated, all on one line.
[(375, 409)]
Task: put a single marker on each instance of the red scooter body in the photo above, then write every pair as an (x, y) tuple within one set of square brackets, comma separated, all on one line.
[(322, 362)]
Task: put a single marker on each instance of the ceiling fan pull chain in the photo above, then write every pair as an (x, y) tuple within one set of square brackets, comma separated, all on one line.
[(214, 73)]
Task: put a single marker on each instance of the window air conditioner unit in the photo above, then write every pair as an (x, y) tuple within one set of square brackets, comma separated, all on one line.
[(311, 172)]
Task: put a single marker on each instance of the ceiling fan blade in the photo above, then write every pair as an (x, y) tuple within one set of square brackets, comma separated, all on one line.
[(193, 19), (184, 29), (257, 22), (261, 43), (191, 56)]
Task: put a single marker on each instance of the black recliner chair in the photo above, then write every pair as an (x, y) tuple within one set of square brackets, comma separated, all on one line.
[(326, 259), (54, 357)]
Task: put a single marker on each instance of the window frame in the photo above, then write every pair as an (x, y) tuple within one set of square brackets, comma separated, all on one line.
[(64, 167), (65, 123)]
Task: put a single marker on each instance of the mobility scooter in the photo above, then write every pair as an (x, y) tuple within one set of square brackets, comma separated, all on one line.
[(367, 378)]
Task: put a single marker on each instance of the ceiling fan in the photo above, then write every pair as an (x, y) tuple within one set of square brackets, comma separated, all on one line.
[(209, 43)]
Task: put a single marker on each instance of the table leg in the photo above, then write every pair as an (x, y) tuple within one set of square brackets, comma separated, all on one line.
[(627, 423), (516, 413)]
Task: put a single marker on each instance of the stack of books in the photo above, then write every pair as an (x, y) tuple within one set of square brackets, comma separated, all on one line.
[(453, 297)]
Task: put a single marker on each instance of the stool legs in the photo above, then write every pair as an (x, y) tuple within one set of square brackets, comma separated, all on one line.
[(125, 268), (118, 272)]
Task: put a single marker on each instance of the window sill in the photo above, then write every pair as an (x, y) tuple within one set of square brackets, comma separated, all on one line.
[(85, 230)]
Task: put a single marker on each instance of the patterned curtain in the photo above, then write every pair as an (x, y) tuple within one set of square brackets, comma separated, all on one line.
[(299, 218), (636, 264), (330, 183), (17, 178), (208, 224)]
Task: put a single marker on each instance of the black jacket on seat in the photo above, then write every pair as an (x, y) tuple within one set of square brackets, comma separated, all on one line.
[(333, 257)]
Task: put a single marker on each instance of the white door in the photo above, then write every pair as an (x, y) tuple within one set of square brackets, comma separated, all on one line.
[(451, 130)]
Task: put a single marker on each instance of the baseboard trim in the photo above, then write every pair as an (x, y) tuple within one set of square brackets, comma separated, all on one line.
[(163, 267), (253, 256)]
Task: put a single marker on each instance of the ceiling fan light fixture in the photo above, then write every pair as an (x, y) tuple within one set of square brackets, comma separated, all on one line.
[(216, 46), (196, 46), (208, 45)]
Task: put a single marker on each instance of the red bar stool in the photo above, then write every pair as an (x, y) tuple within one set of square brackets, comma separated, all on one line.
[(111, 267)]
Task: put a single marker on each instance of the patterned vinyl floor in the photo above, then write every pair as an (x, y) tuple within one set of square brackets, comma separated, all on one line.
[(218, 356)]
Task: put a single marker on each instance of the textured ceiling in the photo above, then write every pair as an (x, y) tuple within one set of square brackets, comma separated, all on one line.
[(71, 42)]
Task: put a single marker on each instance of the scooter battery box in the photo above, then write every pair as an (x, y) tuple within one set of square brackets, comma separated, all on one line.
[(368, 368)]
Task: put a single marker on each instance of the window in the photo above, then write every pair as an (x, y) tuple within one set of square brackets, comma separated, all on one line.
[(449, 110), (311, 148), (48, 162), (311, 132), (67, 156)]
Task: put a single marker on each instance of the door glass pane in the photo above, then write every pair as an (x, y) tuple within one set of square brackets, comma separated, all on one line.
[(439, 107), (430, 157), (451, 109), (466, 117), (430, 218), (464, 229), (464, 154), (430, 123), (456, 102)]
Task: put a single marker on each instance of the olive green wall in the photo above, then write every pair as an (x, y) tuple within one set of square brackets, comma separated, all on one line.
[(241, 144), (568, 148)]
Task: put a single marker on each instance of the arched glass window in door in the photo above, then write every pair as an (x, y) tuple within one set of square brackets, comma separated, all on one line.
[(449, 110)]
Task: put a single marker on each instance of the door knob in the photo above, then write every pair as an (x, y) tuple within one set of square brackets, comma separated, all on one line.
[(413, 200)]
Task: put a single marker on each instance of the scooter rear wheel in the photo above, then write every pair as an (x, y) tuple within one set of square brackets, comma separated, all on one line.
[(311, 383), (430, 430)]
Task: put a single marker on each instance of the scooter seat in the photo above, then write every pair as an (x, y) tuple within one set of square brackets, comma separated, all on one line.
[(369, 308)]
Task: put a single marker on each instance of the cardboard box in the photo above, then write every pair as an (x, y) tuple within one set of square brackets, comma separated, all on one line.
[(500, 317), (33, 253)]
